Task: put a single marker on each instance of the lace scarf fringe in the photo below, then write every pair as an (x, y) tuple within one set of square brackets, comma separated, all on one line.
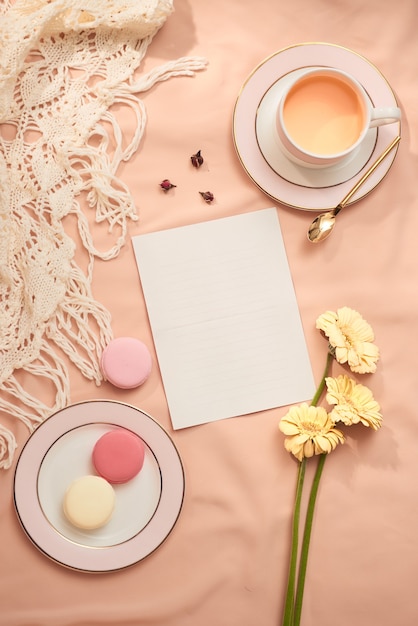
[(81, 327)]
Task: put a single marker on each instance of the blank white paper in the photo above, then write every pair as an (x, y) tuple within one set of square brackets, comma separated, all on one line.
[(224, 318)]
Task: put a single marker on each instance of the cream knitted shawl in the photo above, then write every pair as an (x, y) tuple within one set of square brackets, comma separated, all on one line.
[(63, 63)]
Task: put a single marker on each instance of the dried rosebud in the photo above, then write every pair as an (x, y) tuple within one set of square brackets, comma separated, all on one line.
[(166, 185), (197, 159), (207, 196)]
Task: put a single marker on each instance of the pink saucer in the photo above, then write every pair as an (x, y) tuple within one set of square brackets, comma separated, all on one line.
[(118, 456), (126, 362)]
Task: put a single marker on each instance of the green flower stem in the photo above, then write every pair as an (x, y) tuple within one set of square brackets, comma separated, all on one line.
[(303, 561), (321, 385), (291, 582), (306, 541)]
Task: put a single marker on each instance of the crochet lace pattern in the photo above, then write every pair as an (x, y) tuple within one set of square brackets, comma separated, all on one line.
[(63, 64)]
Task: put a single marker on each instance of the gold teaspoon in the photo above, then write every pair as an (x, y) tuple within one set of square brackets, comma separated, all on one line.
[(323, 224)]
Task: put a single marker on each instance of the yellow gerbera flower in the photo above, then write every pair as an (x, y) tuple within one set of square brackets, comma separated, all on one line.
[(354, 403), (350, 338), (309, 431)]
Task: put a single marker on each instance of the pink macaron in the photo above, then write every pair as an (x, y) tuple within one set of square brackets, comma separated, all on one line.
[(126, 362), (118, 456)]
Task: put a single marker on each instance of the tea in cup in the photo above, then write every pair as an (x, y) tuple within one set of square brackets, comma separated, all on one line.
[(324, 115)]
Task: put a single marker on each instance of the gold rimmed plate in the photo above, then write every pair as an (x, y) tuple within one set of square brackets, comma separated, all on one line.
[(257, 146), (59, 451)]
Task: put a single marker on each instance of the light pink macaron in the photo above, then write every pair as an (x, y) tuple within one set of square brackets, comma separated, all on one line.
[(126, 362), (118, 456)]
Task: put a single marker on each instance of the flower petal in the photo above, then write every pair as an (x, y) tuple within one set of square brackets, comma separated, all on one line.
[(353, 403), (350, 338), (310, 431)]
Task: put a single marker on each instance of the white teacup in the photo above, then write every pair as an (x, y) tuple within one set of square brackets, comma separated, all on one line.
[(324, 115)]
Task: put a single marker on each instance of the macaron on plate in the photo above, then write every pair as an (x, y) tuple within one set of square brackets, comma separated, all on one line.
[(69, 455)]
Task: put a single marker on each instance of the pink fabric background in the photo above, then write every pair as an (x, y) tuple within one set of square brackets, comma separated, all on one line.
[(225, 563)]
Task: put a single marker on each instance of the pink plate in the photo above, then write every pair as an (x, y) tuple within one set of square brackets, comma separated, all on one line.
[(278, 179), (146, 509)]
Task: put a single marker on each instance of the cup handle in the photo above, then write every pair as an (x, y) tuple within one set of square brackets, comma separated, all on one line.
[(384, 115)]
